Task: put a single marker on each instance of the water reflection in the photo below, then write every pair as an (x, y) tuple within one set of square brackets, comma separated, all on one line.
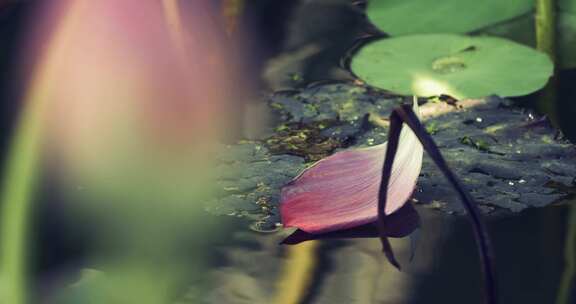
[(445, 269)]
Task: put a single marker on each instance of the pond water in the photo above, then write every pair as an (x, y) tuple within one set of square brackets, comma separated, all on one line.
[(445, 267)]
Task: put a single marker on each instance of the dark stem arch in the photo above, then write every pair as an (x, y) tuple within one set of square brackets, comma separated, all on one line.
[(405, 115)]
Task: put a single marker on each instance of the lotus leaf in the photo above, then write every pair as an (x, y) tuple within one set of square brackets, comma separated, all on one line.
[(401, 17), (455, 65)]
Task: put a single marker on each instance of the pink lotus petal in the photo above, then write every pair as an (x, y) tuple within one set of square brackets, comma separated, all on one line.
[(341, 191)]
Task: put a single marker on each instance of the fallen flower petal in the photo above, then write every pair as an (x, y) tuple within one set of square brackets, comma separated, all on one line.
[(341, 191)]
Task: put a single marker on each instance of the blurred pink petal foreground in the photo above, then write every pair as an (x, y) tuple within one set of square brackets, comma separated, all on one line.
[(341, 191)]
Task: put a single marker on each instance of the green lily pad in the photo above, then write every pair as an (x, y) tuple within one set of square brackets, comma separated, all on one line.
[(401, 17), (455, 65)]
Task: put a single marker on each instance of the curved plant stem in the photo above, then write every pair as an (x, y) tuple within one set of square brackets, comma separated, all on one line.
[(405, 114), (297, 274), (21, 170), (565, 290), (391, 149), (546, 27), (17, 194), (545, 24)]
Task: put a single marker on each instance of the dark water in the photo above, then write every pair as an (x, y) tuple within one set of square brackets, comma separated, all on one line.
[(445, 269)]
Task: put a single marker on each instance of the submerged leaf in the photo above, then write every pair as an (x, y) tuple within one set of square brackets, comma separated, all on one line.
[(456, 65), (341, 191)]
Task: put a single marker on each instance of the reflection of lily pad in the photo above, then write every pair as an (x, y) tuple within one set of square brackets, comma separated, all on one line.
[(518, 29), (567, 39), (522, 30), (568, 6), (460, 66), (400, 17)]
